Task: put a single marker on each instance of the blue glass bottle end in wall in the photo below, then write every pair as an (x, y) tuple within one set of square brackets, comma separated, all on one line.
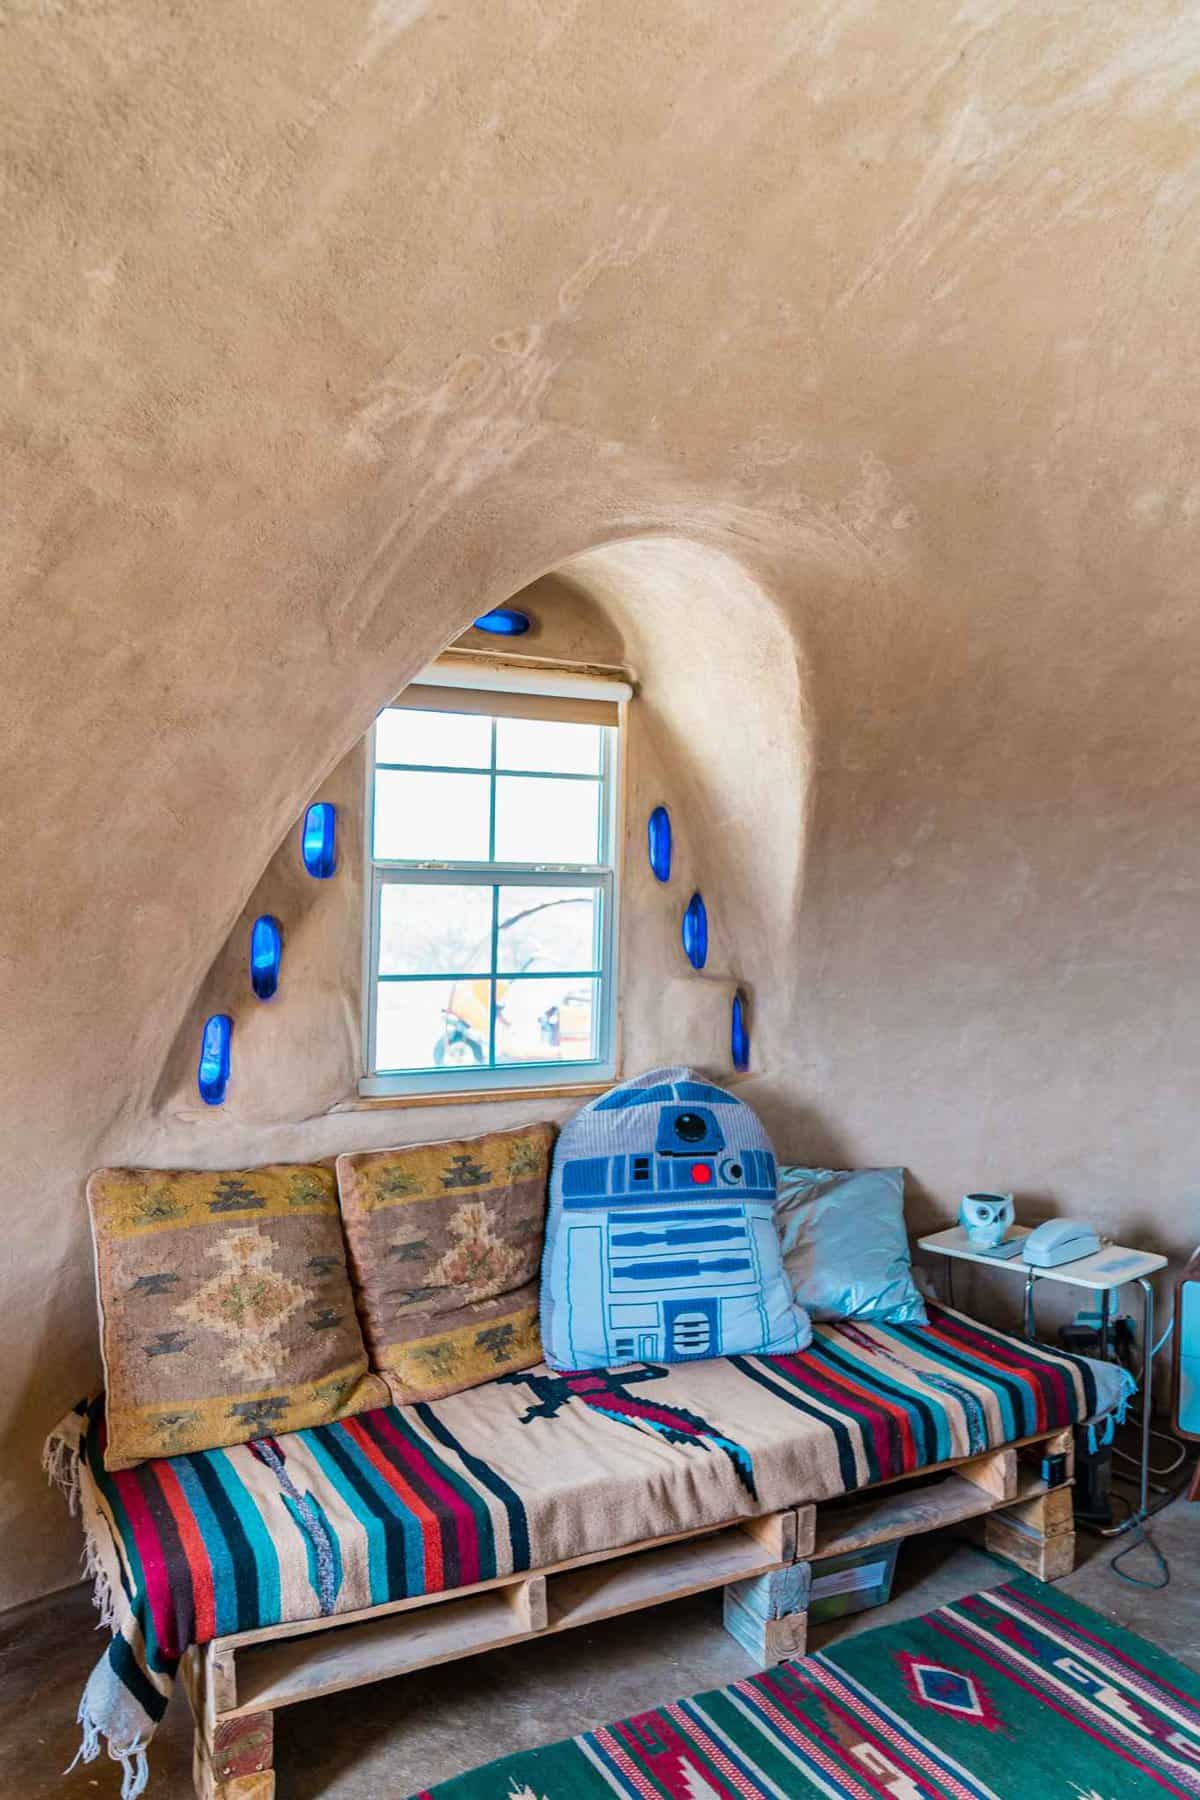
[(695, 931), (739, 1036), (318, 840), (266, 948), (658, 840), (213, 1073), (504, 621)]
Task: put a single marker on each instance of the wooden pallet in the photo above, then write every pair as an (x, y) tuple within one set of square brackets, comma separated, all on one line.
[(237, 1683)]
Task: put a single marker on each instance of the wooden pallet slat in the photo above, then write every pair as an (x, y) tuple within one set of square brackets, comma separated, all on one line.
[(778, 1593), (305, 1668), (1062, 1443), (653, 1577), (769, 1622), (1048, 1514), (232, 1756), (995, 1474), (1047, 1557), (527, 1600), (788, 1535), (889, 1516)]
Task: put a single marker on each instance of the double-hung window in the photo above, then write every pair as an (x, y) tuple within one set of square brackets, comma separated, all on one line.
[(490, 939)]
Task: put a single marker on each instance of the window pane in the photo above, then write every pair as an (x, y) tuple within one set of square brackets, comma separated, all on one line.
[(548, 928), (545, 821), (432, 818), (548, 744), (546, 1020), (426, 929), (460, 740), (431, 1025)]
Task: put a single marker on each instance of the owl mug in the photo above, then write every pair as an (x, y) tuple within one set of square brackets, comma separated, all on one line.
[(986, 1218)]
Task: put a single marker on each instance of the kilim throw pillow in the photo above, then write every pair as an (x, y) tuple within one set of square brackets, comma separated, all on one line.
[(445, 1247), (226, 1311)]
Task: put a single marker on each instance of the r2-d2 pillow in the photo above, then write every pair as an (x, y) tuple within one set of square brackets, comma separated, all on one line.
[(661, 1243)]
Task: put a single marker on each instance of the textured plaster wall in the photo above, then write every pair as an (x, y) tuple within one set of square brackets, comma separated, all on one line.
[(327, 327)]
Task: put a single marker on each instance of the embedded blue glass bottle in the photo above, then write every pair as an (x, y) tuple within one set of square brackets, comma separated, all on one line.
[(739, 1035), (658, 842), (318, 840), (694, 931), (266, 948), (504, 621), (212, 1077)]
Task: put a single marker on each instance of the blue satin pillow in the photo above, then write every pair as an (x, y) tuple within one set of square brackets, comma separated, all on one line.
[(845, 1248)]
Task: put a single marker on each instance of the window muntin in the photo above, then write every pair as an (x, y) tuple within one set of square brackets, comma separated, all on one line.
[(490, 942)]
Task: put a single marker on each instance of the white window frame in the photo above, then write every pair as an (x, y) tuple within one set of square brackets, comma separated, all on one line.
[(605, 875)]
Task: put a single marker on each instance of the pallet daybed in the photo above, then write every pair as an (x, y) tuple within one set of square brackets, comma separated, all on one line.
[(309, 1564), (236, 1684)]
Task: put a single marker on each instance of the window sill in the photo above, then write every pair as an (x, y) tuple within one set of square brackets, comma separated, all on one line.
[(574, 1090)]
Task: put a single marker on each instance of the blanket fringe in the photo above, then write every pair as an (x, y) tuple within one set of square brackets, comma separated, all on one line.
[(102, 1593), (60, 1460), (1100, 1432), (135, 1768)]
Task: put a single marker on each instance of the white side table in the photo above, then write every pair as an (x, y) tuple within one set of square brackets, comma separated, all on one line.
[(1103, 1273)]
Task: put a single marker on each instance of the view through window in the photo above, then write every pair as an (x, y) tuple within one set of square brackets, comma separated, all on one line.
[(490, 933)]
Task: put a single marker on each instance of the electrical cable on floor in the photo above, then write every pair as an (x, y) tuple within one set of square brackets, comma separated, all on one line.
[(1165, 1437), (1153, 1469), (1141, 1536)]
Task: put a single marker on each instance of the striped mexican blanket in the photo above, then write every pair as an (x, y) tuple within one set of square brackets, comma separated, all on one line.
[(523, 1472)]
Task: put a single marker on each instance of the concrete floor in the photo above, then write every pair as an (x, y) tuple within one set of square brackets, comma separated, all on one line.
[(386, 1741)]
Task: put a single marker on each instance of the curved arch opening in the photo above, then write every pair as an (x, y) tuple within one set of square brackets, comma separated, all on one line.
[(718, 731)]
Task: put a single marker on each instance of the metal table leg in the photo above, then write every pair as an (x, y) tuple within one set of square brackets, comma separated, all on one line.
[(1147, 1384), (1030, 1279), (1147, 1388)]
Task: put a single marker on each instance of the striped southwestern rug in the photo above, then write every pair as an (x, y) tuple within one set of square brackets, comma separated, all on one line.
[(1014, 1694)]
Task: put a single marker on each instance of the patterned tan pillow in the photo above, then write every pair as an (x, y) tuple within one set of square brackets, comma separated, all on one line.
[(225, 1307), (446, 1249)]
